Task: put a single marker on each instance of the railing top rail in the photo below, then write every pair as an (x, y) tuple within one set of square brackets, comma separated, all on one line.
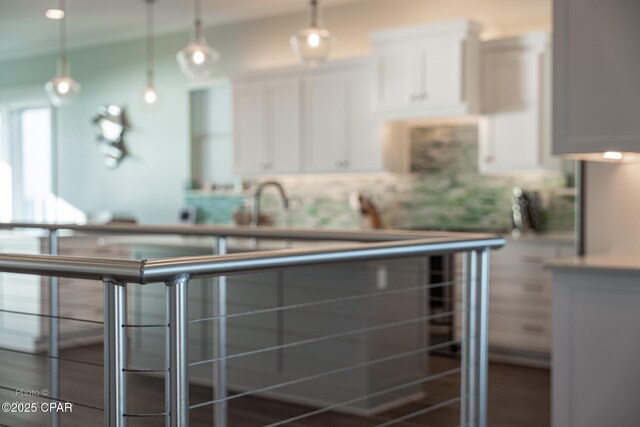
[(272, 233), (163, 270)]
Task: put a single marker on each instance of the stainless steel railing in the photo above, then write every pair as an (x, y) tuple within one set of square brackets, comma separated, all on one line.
[(177, 273)]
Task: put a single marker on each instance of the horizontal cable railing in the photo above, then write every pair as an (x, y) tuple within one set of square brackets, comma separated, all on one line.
[(294, 307)]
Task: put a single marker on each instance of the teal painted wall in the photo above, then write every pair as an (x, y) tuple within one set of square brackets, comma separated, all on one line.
[(148, 184)]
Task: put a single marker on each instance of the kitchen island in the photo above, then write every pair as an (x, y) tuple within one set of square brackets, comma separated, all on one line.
[(347, 319), (596, 341)]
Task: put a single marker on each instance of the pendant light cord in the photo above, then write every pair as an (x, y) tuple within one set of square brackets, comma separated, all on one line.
[(150, 58), (63, 40), (314, 13), (197, 9)]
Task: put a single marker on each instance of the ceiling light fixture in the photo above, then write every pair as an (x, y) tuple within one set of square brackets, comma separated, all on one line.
[(150, 94), (197, 58), (54, 13), (312, 45), (62, 88)]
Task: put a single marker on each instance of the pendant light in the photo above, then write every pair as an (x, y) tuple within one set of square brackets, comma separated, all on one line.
[(197, 58), (150, 94), (62, 88), (312, 45)]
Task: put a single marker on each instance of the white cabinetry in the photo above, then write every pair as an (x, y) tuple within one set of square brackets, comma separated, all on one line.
[(514, 131), (318, 120), (595, 73), (596, 330), (520, 298), (267, 126), (427, 71), (341, 134)]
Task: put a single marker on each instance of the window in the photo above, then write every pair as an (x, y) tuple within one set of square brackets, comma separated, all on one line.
[(26, 175)]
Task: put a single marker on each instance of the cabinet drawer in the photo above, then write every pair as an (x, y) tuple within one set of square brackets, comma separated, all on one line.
[(519, 341), (519, 331), (521, 291)]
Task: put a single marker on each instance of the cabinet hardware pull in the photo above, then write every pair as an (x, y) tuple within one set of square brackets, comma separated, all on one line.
[(532, 328), (532, 259), (533, 288)]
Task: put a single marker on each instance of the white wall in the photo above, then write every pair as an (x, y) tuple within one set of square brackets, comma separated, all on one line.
[(613, 208), (149, 184)]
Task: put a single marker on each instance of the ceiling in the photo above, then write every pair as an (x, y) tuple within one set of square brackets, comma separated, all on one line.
[(24, 30)]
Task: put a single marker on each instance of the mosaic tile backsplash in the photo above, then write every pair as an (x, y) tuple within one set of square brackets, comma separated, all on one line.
[(443, 191)]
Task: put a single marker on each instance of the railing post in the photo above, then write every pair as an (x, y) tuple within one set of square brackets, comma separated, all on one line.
[(54, 366), (468, 388), (483, 343), (220, 345), (464, 347), (115, 386), (178, 399)]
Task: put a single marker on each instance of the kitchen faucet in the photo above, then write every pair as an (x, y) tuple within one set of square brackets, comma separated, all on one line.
[(255, 215)]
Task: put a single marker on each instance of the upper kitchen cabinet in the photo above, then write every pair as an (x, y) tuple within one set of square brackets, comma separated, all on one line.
[(595, 70), (427, 71), (340, 130), (313, 120), (516, 91), (267, 126)]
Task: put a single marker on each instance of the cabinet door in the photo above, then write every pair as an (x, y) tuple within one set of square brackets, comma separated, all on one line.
[(436, 75), (283, 121), (250, 129), (364, 132), (325, 122), (510, 134), (427, 71), (514, 131), (393, 78), (595, 75)]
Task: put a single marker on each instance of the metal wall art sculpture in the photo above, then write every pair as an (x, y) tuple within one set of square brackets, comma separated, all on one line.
[(112, 122)]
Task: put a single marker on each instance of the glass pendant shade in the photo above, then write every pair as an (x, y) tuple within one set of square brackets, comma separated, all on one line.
[(150, 95), (62, 88), (196, 60), (312, 45)]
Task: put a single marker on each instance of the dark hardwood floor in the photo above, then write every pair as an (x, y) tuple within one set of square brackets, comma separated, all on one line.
[(518, 397)]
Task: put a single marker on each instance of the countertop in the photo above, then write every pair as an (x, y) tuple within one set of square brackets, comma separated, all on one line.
[(233, 244), (552, 237), (603, 263)]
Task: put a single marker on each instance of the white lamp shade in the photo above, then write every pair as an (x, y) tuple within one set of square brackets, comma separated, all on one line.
[(196, 60), (61, 90), (312, 45)]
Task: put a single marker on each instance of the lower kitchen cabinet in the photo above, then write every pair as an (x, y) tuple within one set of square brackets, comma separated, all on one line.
[(341, 319), (520, 298), (596, 325), (355, 357)]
